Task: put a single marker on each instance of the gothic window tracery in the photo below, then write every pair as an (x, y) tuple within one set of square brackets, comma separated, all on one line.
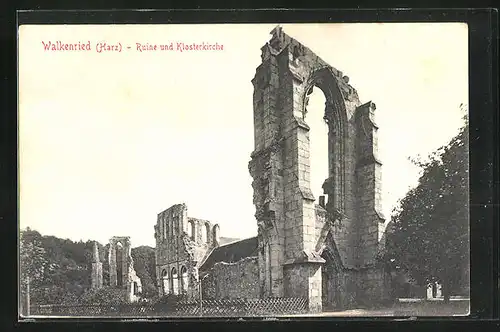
[(170, 229), (191, 230)]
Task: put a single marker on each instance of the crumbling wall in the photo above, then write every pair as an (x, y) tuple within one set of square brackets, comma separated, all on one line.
[(208, 287), (181, 242), (233, 280), (134, 285), (128, 277)]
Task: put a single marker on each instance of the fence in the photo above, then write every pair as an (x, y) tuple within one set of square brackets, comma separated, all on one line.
[(208, 308)]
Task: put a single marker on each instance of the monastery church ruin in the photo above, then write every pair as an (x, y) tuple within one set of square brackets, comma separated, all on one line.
[(122, 275), (325, 252)]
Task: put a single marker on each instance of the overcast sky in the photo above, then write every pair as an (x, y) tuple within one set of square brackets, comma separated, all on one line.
[(108, 140)]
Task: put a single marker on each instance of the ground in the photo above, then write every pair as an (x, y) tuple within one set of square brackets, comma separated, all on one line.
[(408, 308)]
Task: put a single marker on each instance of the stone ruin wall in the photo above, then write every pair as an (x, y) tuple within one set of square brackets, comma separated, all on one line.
[(128, 276), (233, 280), (290, 234), (182, 241)]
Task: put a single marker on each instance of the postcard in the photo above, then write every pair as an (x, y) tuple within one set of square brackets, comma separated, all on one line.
[(243, 170)]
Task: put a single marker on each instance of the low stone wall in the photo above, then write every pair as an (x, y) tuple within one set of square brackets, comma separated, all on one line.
[(233, 280), (373, 287)]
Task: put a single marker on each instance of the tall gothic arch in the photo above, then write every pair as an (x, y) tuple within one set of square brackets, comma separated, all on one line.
[(290, 225)]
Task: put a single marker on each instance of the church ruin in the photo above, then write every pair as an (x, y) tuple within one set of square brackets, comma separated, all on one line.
[(121, 268), (181, 245), (322, 248)]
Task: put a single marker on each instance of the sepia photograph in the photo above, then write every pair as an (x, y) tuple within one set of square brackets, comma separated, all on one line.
[(243, 170)]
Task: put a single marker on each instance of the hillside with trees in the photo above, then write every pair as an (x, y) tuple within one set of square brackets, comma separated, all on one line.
[(59, 270)]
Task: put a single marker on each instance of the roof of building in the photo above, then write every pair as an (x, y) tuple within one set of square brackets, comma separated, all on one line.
[(227, 240), (231, 252)]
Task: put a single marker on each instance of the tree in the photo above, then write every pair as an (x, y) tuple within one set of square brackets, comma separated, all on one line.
[(429, 228), (32, 263), (144, 266), (56, 270)]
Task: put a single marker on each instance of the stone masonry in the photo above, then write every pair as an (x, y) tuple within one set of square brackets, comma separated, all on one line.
[(182, 245), (121, 268), (233, 280), (298, 238), (96, 276)]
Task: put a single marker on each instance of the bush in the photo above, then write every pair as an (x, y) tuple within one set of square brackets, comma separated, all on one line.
[(169, 299), (103, 296)]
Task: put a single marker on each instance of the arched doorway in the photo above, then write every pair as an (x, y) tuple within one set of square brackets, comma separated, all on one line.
[(331, 282), (183, 280)]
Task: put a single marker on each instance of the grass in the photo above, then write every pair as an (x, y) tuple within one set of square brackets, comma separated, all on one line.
[(456, 307), (407, 308)]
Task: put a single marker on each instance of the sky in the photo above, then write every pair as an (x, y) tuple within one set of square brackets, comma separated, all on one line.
[(108, 140)]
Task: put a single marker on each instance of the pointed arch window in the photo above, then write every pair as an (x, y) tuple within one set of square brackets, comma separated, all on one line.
[(165, 229), (174, 282), (165, 282), (183, 280), (207, 231), (191, 230), (215, 235)]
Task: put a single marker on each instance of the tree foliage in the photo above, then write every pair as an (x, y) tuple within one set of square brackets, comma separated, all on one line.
[(428, 234), (59, 270), (32, 258), (103, 296), (145, 267)]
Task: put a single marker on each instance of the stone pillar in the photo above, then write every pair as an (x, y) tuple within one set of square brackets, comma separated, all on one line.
[(96, 269), (267, 171), (113, 281), (289, 239), (368, 171), (127, 264), (280, 170), (183, 219), (303, 279), (369, 206)]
